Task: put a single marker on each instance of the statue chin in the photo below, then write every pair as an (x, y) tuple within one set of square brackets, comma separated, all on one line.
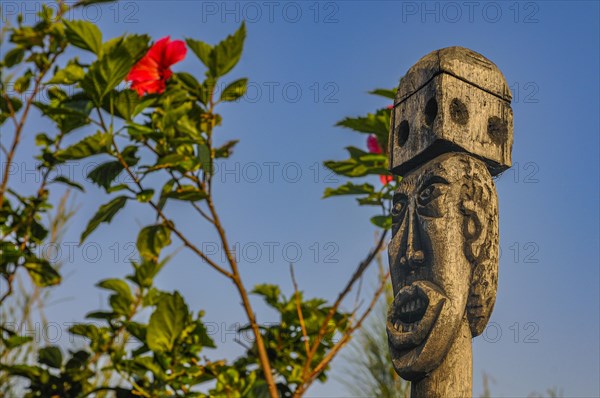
[(421, 326)]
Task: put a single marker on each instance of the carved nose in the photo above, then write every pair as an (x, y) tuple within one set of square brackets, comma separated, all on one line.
[(414, 256)]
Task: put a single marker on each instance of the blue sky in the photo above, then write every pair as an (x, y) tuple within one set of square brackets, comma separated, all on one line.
[(310, 64)]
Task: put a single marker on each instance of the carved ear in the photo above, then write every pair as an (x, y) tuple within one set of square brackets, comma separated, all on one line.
[(480, 210), (474, 229)]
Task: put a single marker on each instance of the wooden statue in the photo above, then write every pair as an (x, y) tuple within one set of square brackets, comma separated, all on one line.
[(451, 132)]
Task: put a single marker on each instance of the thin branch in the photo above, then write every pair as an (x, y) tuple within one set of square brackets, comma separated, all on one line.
[(237, 280), (169, 223), (299, 309), (343, 341), (10, 279), (20, 124), (356, 276), (206, 184), (3, 149)]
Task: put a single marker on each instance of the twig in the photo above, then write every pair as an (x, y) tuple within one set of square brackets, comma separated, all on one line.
[(357, 274), (237, 280), (21, 123), (343, 341), (299, 309), (169, 223)]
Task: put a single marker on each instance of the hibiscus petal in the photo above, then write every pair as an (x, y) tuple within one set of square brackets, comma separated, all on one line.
[(174, 52), (157, 51), (145, 69), (151, 73), (385, 179), (149, 86), (373, 144)]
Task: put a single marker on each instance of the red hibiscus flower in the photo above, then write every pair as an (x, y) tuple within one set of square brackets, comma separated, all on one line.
[(151, 73), (374, 147), (385, 179)]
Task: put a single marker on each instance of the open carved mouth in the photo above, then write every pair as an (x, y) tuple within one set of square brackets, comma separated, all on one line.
[(414, 311), (410, 310)]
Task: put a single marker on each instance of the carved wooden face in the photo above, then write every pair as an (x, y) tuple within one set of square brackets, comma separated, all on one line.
[(441, 220)]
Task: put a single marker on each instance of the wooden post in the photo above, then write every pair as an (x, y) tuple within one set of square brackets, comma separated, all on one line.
[(452, 131)]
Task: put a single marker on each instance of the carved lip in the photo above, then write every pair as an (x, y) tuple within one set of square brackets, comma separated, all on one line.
[(414, 311)]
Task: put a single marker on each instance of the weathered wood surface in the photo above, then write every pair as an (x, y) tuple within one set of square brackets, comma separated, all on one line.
[(444, 105), (443, 254)]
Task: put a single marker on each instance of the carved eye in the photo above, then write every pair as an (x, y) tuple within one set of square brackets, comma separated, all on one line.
[(427, 205), (399, 208), (428, 193)]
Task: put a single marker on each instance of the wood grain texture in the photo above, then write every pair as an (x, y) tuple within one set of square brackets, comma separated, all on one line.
[(443, 260), (452, 100), (451, 132)]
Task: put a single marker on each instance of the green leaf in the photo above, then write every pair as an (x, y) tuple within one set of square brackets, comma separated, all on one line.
[(86, 330), (42, 139), (113, 66), (126, 104), (385, 92), (22, 83), (377, 123), (5, 106), (105, 214), (191, 84), (167, 322), (225, 150), (9, 252), (227, 53), (50, 356), (104, 174), (235, 90), (221, 58), (152, 239), (271, 293), (33, 373), (83, 3), (68, 113), (42, 273), (188, 193), (145, 196), (145, 273), (65, 180), (84, 35), (118, 187), (206, 160), (100, 315), (116, 285), (384, 222), (137, 330), (16, 341), (373, 200), (120, 305), (176, 160), (70, 74), (202, 50), (14, 56), (360, 164), (29, 37), (349, 189), (167, 188), (90, 145)]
